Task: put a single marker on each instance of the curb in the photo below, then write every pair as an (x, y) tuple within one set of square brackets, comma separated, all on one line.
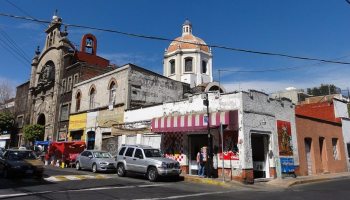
[(299, 182), (287, 184), (215, 182)]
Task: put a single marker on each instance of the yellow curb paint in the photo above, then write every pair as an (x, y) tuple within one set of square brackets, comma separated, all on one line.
[(61, 178), (207, 181), (80, 177), (100, 177)]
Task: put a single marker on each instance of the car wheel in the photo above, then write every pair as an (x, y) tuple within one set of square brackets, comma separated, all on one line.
[(77, 166), (121, 170), (94, 168), (152, 174)]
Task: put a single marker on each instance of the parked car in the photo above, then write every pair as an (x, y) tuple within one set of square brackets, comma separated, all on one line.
[(145, 160), (96, 161), (20, 162), (2, 150)]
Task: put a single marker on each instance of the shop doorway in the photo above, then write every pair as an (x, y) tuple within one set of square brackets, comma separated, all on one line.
[(91, 140), (195, 143), (260, 148)]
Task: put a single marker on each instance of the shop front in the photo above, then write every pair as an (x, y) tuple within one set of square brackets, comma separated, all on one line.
[(77, 126), (184, 135), (5, 140)]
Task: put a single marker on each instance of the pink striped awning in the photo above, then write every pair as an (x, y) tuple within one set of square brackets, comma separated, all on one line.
[(194, 122)]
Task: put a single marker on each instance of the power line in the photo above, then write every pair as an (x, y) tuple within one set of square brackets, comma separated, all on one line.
[(5, 45), (171, 40), (278, 69), (14, 45), (21, 10)]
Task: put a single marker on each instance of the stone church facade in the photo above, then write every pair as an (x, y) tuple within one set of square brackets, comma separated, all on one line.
[(54, 71)]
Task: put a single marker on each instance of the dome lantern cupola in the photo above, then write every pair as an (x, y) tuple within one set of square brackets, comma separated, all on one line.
[(187, 28)]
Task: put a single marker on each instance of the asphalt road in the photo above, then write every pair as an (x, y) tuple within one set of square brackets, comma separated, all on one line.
[(110, 186)]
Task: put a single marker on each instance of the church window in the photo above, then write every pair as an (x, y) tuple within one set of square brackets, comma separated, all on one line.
[(70, 83), (172, 66), (20, 121), (188, 64), (112, 93), (77, 102), (64, 85), (76, 79), (64, 112), (92, 98), (204, 66)]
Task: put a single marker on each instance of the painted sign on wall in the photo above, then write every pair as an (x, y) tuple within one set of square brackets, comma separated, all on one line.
[(284, 138), (287, 165)]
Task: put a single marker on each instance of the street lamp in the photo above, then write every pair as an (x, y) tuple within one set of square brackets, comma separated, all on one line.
[(205, 98)]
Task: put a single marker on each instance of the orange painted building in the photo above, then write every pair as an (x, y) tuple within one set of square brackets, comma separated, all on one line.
[(320, 139)]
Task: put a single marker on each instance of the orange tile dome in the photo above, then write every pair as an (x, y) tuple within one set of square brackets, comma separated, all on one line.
[(193, 43)]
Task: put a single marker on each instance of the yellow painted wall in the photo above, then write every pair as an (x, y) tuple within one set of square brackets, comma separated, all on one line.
[(77, 122)]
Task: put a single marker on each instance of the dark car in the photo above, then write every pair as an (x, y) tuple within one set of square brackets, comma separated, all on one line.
[(2, 150), (20, 162)]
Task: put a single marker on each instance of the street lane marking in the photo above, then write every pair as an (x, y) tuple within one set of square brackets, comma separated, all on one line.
[(186, 196), (3, 196), (74, 178)]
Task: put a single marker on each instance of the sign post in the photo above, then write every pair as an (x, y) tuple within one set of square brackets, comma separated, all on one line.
[(222, 151)]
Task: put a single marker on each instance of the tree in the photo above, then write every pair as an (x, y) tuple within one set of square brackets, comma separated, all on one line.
[(324, 89), (34, 132), (6, 91), (6, 122)]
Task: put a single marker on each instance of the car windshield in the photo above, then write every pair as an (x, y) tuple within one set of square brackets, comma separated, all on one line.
[(21, 155), (102, 155), (152, 153)]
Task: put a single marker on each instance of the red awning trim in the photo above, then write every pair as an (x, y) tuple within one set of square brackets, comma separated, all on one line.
[(194, 122)]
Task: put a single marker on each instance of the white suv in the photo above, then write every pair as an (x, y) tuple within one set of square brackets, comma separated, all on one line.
[(145, 160)]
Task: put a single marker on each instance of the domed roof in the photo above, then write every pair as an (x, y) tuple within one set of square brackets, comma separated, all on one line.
[(193, 43), (187, 40)]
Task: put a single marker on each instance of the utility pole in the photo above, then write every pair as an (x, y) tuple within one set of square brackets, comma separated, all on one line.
[(209, 148)]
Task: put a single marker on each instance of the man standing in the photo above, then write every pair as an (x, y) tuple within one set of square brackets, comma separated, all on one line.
[(201, 161)]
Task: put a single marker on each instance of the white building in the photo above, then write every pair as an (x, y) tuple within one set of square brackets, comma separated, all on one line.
[(253, 123), (188, 59)]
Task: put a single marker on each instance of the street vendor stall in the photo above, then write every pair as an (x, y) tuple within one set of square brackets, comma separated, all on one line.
[(41, 148), (65, 152)]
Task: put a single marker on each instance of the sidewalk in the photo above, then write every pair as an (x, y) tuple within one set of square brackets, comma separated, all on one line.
[(288, 182), (270, 183), (217, 181)]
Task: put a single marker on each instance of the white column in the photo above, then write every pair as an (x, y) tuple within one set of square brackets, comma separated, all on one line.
[(123, 139), (138, 138)]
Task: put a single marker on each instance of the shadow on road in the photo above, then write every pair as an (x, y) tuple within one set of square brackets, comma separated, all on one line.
[(160, 179), (18, 182)]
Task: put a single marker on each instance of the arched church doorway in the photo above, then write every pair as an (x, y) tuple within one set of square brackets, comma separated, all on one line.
[(42, 121)]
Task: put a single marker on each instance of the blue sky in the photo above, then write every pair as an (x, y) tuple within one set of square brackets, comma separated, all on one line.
[(312, 28)]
